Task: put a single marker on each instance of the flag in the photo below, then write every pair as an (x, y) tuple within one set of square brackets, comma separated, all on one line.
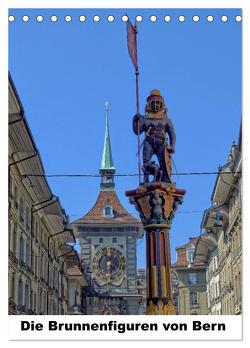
[(132, 44)]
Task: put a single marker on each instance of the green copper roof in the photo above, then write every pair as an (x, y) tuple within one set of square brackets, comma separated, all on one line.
[(107, 160)]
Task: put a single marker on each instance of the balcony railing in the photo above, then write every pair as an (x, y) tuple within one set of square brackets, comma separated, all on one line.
[(13, 257), (21, 308), (238, 301), (12, 303), (223, 290), (43, 280), (236, 253), (222, 257), (237, 308), (212, 302), (22, 265), (29, 312), (30, 270), (230, 286), (228, 250)]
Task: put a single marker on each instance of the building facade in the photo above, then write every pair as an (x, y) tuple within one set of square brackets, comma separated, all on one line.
[(38, 226), (141, 286), (108, 235), (189, 281), (220, 245)]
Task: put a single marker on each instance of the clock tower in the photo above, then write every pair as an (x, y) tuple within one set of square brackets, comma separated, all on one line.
[(108, 235)]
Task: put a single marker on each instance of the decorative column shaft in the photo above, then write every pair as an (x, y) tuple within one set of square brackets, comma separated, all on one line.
[(156, 204)]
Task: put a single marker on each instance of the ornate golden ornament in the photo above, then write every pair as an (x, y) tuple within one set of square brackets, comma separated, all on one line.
[(160, 308), (150, 226), (155, 115), (145, 206), (168, 206), (141, 190), (150, 308), (171, 188), (170, 308)]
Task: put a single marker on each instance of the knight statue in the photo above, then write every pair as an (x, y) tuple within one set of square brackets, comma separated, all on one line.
[(155, 124)]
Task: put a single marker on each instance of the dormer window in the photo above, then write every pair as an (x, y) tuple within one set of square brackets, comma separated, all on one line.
[(190, 255), (108, 211)]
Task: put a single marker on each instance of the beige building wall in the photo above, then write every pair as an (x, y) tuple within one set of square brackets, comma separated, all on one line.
[(192, 297), (37, 233), (222, 238), (189, 287)]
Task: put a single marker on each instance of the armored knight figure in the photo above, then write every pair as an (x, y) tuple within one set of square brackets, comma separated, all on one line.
[(155, 124)]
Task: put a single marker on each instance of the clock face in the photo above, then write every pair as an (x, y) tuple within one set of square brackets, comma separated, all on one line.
[(109, 310), (109, 264)]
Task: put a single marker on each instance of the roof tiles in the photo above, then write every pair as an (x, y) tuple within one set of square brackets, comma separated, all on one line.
[(96, 214)]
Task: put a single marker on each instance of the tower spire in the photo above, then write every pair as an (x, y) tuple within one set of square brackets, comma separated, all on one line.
[(107, 169)]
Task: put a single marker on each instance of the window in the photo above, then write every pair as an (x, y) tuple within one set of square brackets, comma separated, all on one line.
[(14, 240), (9, 235), (31, 300), (56, 252), (26, 296), (12, 287), (54, 307), (28, 252), (114, 240), (15, 196), (108, 211), (100, 240), (36, 230), (21, 212), (190, 255), (217, 290), (27, 218), (34, 301), (42, 236), (45, 301), (45, 269), (55, 278), (20, 292), (193, 298), (35, 263), (41, 266), (41, 301), (10, 187), (192, 278), (21, 249)]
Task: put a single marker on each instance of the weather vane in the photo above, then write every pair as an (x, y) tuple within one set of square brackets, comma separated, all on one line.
[(107, 105)]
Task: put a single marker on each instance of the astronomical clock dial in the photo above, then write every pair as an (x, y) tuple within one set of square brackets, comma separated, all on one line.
[(109, 265)]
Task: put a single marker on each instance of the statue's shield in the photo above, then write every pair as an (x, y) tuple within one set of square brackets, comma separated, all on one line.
[(168, 162)]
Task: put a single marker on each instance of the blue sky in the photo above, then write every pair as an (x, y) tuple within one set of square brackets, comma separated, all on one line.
[(64, 73)]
